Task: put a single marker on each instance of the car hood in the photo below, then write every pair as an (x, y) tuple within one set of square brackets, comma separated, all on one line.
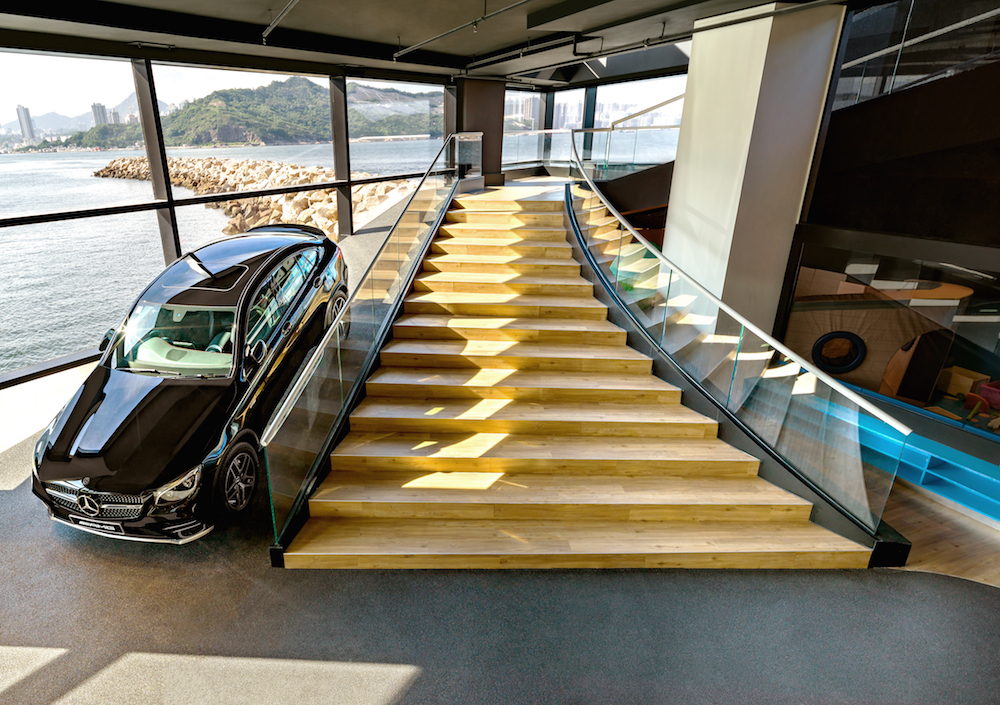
[(130, 432)]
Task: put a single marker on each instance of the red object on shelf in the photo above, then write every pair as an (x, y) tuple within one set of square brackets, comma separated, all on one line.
[(990, 391)]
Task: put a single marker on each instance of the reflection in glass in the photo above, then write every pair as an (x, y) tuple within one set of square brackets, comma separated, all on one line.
[(252, 130), (395, 128)]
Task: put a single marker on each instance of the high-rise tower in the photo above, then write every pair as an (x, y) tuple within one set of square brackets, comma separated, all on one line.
[(24, 118)]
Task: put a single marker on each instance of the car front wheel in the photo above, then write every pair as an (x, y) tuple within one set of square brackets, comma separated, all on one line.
[(235, 481), (333, 309)]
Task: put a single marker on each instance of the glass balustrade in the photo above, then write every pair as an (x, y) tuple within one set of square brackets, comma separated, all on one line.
[(301, 428), (833, 439)]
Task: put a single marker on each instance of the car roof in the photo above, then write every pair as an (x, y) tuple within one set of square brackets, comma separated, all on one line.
[(217, 274)]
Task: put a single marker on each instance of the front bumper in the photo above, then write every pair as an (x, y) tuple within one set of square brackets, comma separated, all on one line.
[(122, 517)]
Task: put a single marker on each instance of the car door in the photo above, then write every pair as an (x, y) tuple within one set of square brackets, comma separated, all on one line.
[(275, 315)]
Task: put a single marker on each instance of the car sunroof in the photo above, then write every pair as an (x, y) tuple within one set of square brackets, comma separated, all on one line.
[(190, 273)]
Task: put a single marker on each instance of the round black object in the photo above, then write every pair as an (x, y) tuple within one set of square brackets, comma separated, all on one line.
[(839, 352), (235, 481)]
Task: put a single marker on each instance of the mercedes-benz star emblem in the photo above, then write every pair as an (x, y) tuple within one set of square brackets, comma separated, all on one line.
[(88, 505)]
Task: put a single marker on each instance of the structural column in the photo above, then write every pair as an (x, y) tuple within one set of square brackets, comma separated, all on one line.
[(480, 109), (754, 102), (156, 154), (341, 154)]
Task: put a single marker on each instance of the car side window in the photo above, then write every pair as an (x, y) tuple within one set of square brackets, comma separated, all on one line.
[(277, 293)]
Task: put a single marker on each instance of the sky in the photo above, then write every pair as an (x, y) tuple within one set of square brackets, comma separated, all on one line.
[(69, 85)]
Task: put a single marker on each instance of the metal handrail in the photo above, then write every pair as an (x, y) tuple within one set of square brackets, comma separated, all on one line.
[(306, 374), (808, 367)]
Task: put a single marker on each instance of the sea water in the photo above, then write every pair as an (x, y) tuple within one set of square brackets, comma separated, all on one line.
[(64, 284)]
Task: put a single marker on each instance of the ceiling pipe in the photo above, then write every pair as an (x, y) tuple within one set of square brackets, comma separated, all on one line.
[(660, 40), (473, 23), (274, 23)]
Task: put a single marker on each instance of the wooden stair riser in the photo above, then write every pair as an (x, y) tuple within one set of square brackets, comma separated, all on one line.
[(457, 331), (499, 391), (561, 267), (485, 204), (568, 511), (509, 286), (343, 460), (505, 310), (515, 362), (527, 248), (548, 219), (461, 230), (546, 426)]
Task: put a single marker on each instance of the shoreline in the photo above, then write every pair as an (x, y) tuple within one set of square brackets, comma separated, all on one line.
[(209, 175)]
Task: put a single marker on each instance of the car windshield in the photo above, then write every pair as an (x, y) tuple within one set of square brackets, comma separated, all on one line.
[(169, 340)]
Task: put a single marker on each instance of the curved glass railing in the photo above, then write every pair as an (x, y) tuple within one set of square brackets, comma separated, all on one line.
[(303, 428), (839, 444)]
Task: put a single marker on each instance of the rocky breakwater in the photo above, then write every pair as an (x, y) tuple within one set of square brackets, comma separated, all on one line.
[(318, 208)]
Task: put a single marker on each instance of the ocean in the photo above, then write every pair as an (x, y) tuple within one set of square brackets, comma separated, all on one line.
[(64, 284)]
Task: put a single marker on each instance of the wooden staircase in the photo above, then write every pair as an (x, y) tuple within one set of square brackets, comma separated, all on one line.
[(510, 426)]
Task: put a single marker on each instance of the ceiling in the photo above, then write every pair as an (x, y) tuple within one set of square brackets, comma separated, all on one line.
[(544, 42)]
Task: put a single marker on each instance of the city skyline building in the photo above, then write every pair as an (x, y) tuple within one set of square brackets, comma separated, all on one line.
[(27, 127), (100, 114)]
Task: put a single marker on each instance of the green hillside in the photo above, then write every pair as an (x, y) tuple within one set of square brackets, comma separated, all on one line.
[(295, 111)]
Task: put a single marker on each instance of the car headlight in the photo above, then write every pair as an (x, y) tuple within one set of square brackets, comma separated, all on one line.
[(180, 489), (43, 440)]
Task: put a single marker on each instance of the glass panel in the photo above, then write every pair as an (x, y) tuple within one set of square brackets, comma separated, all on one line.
[(395, 128), (303, 434), (201, 224), (942, 39), (372, 200), (251, 130), (849, 454), (925, 334), (48, 105), (64, 284), (522, 111)]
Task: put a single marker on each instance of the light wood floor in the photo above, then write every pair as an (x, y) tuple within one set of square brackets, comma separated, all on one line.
[(944, 541)]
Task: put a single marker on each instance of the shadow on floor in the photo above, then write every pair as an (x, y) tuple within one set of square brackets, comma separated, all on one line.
[(113, 622)]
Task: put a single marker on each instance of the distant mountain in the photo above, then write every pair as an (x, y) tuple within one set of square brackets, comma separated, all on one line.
[(55, 121), (295, 111), (283, 112), (69, 125)]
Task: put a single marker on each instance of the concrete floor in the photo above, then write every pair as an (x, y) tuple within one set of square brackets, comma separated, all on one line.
[(87, 620)]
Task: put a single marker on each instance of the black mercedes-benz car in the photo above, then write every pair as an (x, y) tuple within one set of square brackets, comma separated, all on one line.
[(160, 443)]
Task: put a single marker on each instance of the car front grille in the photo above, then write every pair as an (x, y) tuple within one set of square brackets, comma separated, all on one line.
[(112, 504)]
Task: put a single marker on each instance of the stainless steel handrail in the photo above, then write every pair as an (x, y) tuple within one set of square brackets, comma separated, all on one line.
[(808, 367), (300, 382)]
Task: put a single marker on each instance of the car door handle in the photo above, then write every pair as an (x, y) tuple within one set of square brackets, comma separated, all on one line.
[(286, 329)]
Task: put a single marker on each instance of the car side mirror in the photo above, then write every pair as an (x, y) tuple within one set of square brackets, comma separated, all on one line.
[(258, 351), (108, 337)]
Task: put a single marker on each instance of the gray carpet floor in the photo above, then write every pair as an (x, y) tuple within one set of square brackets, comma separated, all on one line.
[(566, 636)]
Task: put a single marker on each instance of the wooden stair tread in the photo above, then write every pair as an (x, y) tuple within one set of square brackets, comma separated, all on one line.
[(505, 227), (538, 447), (541, 489), (506, 323), (442, 410), (518, 378), (504, 348), (504, 259), (428, 543), (491, 278), (511, 299), (504, 242)]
